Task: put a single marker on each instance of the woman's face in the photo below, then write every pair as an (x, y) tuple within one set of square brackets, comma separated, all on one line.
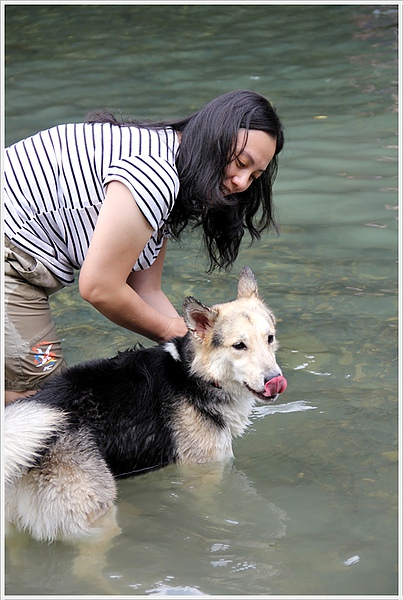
[(247, 166)]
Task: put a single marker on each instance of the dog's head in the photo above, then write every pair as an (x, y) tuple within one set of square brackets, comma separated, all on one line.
[(235, 343)]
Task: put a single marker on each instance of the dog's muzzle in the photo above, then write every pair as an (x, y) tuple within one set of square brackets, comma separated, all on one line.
[(272, 389)]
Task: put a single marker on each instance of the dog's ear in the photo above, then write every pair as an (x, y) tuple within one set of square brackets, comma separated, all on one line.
[(198, 318), (247, 284)]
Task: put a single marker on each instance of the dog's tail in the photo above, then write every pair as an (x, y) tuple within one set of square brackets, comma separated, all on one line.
[(28, 428)]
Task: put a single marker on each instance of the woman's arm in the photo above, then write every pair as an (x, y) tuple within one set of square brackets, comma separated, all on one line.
[(132, 300), (147, 284)]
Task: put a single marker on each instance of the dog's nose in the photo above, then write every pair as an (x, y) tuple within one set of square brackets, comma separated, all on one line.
[(271, 376)]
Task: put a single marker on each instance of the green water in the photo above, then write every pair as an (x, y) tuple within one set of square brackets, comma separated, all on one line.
[(309, 506)]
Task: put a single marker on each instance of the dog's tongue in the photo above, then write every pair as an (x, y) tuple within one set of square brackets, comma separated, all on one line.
[(277, 385)]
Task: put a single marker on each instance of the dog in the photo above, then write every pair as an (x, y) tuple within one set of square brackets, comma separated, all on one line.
[(181, 402)]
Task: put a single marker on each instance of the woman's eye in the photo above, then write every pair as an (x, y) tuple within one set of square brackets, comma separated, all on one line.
[(270, 339), (239, 346)]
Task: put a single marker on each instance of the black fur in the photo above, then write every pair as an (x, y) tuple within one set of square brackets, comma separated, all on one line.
[(127, 404)]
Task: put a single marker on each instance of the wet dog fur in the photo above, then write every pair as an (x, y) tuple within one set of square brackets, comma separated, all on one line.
[(181, 402)]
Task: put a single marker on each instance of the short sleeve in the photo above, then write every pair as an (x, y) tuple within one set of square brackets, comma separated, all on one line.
[(153, 182)]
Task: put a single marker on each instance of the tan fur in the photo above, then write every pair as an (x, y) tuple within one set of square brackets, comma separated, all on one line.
[(62, 498), (190, 429)]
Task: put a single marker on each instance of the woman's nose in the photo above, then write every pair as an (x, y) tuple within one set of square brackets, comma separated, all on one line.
[(241, 182)]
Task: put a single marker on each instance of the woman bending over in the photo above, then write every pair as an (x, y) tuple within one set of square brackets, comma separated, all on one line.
[(102, 196)]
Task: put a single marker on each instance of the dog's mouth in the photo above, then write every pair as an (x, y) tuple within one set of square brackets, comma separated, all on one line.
[(272, 389)]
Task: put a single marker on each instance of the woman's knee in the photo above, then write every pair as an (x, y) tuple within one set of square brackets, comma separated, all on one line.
[(11, 395)]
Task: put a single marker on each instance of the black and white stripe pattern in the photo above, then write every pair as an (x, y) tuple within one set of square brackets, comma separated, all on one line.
[(55, 185)]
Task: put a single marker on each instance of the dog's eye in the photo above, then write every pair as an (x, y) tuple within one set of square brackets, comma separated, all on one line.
[(270, 339), (239, 346)]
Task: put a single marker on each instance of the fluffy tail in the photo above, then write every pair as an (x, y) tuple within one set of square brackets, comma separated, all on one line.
[(28, 429)]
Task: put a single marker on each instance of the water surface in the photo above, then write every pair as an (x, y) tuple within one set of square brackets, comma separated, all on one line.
[(309, 506)]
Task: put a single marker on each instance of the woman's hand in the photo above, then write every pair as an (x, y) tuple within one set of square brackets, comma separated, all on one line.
[(176, 328)]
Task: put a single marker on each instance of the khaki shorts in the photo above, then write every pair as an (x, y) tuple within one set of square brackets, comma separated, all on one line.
[(32, 347)]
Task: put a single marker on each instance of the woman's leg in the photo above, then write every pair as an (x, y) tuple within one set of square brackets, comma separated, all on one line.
[(33, 349)]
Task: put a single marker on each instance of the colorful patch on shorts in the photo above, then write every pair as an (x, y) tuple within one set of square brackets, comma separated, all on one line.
[(44, 357)]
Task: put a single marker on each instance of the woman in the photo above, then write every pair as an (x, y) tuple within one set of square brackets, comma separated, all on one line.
[(102, 196)]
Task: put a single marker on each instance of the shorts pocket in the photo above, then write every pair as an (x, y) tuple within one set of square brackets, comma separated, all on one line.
[(31, 269)]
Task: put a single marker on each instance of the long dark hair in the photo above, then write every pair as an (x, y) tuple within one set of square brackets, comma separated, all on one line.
[(208, 140)]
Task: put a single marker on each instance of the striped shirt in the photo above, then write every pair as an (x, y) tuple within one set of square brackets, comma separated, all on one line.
[(55, 185)]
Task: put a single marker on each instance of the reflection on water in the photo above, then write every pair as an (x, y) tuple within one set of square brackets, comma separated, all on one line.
[(309, 505)]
